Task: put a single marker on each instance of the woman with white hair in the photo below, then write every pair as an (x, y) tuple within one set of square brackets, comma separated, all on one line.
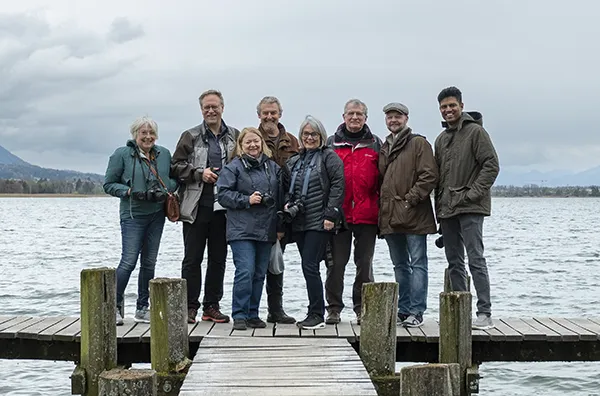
[(138, 174), (314, 209)]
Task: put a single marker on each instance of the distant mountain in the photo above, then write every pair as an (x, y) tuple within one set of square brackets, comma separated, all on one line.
[(13, 167), (589, 177)]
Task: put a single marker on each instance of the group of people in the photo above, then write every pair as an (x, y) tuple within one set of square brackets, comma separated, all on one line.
[(263, 188)]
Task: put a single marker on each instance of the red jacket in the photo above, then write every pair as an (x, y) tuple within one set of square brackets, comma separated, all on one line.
[(361, 172)]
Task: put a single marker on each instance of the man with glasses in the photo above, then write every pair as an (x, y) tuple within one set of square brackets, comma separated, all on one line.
[(359, 150), (201, 153)]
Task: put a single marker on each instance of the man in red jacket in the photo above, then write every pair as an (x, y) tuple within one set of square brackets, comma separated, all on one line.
[(359, 150)]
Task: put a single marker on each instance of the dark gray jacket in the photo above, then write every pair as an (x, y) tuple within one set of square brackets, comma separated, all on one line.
[(238, 180), (189, 161), (325, 194)]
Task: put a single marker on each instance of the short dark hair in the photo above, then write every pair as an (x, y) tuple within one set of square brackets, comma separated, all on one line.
[(450, 92)]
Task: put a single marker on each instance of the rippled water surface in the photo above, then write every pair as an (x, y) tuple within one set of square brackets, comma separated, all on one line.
[(543, 254)]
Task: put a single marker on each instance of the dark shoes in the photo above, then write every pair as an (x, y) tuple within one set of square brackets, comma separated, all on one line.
[(192, 312), (333, 318), (256, 323), (312, 322), (280, 317), (214, 314), (239, 324)]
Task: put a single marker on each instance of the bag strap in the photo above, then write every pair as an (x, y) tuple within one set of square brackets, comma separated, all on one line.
[(155, 173), (306, 180)]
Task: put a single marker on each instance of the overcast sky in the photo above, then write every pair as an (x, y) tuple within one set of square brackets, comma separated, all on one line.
[(75, 73)]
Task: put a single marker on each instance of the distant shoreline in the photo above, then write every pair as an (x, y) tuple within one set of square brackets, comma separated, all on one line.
[(6, 195)]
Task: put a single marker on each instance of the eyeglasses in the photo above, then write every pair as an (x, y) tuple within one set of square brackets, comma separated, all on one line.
[(210, 107), (314, 135)]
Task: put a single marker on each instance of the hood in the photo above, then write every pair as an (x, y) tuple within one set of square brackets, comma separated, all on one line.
[(254, 162), (467, 116), (134, 147)]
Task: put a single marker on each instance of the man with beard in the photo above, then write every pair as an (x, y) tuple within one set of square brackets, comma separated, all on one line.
[(409, 174), (359, 150), (468, 166), (201, 153), (283, 145)]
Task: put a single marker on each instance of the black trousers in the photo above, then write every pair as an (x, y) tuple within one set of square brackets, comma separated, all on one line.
[(275, 286), (208, 227), (312, 245)]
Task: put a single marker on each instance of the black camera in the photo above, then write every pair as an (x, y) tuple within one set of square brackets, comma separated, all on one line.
[(439, 242), (153, 194), (267, 200), (293, 208)]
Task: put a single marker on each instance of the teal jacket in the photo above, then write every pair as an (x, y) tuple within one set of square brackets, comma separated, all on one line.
[(125, 170)]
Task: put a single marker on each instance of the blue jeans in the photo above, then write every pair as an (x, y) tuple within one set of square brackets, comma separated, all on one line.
[(409, 255), (139, 235), (251, 260)]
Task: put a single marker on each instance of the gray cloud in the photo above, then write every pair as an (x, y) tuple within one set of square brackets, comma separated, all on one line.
[(530, 68)]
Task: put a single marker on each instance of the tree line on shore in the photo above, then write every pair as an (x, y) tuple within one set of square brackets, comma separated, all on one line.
[(90, 187)]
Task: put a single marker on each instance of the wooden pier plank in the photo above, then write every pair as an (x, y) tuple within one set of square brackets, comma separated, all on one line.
[(12, 331), (249, 332), (344, 330), (200, 330), (5, 319), (527, 332), (286, 330), (137, 333), (565, 334), (584, 334), (128, 325), (479, 335), (221, 330), (431, 329), (587, 324), (416, 334), (356, 329), (33, 331), (329, 331), (509, 334), (48, 333), (13, 321), (551, 335), (265, 332), (69, 333)]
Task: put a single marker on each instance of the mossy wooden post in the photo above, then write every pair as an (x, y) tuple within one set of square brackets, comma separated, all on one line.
[(98, 325), (455, 332), (430, 379), (119, 382), (378, 333), (169, 345)]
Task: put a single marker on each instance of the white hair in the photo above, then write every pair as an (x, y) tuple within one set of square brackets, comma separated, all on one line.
[(317, 126), (356, 102), (141, 122)]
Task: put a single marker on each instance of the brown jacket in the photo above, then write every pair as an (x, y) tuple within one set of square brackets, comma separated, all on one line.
[(468, 166), (283, 146), (410, 174)]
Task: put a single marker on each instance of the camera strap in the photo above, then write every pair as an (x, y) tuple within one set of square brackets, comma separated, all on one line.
[(155, 173), (306, 180)]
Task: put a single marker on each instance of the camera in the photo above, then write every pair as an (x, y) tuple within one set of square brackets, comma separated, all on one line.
[(293, 208), (153, 194), (439, 242), (267, 200)]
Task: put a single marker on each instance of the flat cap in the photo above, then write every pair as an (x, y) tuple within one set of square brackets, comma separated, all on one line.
[(394, 106)]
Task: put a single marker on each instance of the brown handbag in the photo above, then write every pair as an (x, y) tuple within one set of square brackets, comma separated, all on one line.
[(172, 201)]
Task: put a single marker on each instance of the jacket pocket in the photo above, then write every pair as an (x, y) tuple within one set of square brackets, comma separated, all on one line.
[(400, 212), (458, 196)]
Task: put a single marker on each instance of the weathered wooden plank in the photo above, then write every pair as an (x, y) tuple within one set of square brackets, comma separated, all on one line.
[(12, 331), (265, 332), (128, 325), (69, 333), (286, 330), (402, 334), (135, 335), (355, 329), (565, 334), (249, 332), (527, 332), (32, 331), (584, 334), (5, 319), (431, 329), (587, 324), (495, 334), (479, 335), (221, 330), (416, 334), (14, 321), (48, 334), (550, 334), (315, 390), (271, 342), (200, 330), (344, 330), (328, 332), (509, 333)]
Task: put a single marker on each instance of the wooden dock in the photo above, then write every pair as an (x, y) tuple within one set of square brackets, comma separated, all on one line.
[(276, 366), (513, 339)]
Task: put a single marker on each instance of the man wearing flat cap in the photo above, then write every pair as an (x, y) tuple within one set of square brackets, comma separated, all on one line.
[(409, 174)]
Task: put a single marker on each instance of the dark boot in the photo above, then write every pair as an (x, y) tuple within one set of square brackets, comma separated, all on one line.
[(274, 300)]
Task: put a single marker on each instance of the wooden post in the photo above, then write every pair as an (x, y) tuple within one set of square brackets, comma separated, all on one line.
[(455, 332), (118, 382), (430, 380), (378, 327), (169, 345), (98, 325)]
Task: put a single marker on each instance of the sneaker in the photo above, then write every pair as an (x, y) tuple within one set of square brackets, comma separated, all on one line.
[(413, 321), (333, 318), (312, 322), (483, 322), (119, 319), (214, 314), (401, 318), (142, 315), (239, 324), (358, 316), (192, 312), (256, 323), (280, 317)]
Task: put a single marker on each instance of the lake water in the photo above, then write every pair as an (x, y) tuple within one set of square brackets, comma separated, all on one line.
[(543, 254)]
